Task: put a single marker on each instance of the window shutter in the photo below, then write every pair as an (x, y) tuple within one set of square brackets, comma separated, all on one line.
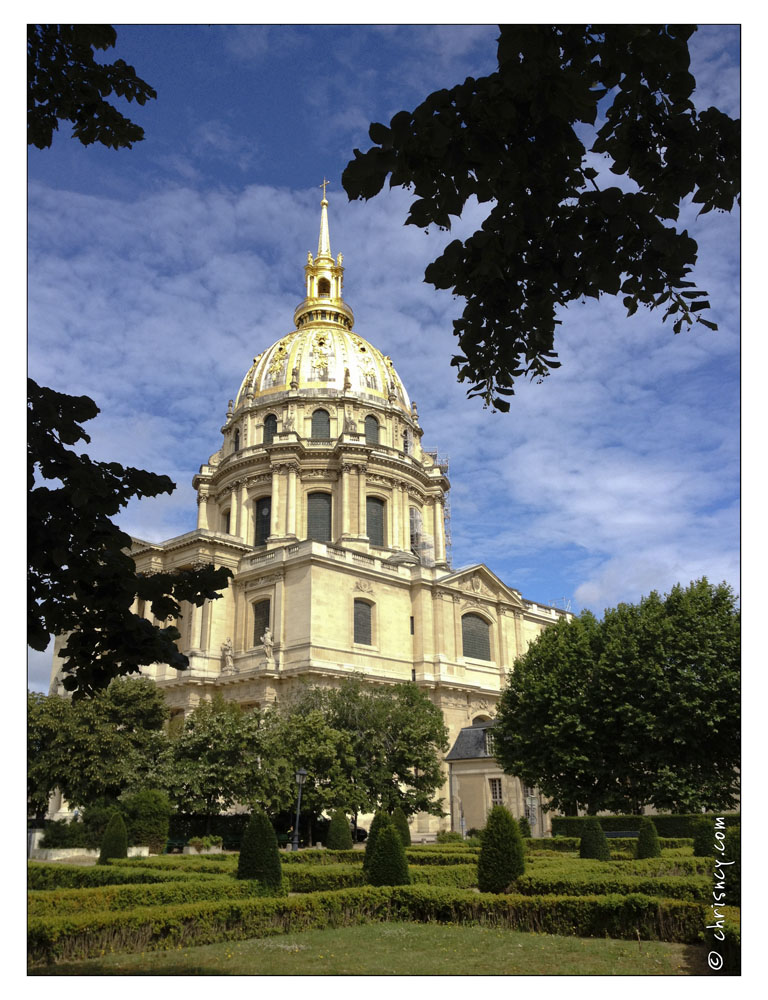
[(319, 517), (476, 641), (321, 425), (263, 507), (374, 520), (270, 428), (363, 622), (260, 620), (371, 430)]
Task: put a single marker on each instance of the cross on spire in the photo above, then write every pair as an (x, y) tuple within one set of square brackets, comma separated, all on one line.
[(323, 186)]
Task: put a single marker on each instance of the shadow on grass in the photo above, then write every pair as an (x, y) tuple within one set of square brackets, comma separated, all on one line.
[(99, 969)]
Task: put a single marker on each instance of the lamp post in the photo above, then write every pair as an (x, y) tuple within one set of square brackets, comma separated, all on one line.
[(301, 774)]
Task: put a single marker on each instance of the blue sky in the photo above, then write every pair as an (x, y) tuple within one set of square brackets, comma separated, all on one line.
[(156, 274)]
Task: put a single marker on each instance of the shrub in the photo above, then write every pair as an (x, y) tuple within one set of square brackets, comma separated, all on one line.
[(259, 854), (147, 815), (667, 824), (703, 838), (115, 841), (593, 843), (388, 865), (96, 817), (732, 853), (502, 855), (449, 837), (525, 827), (60, 833), (339, 837), (380, 818), (401, 825), (648, 845)]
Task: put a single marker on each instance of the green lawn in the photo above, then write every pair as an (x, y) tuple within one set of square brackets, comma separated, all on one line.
[(404, 949)]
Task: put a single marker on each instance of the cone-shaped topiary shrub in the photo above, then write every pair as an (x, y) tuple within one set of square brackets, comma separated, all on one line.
[(593, 843), (648, 845), (380, 818), (388, 865), (114, 843), (148, 814), (703, 838), (401, 825), (525, 827), (502, 856), (259, 857), (339, 836)]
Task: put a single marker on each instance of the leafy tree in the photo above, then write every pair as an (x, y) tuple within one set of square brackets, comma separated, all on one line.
[(593, 843), (148, 814), (648, 845), (401, 825), (115, 842), (514, 140), (95, 747), (639, 709), (502, 854), (339, 835), (65, 83), (388, 864), (259, 856), (81, 580)]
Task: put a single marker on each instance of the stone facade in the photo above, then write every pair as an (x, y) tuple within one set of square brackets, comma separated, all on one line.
[(331, 516)]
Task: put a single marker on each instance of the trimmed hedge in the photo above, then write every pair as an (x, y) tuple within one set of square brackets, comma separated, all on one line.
[(667, 824), (417, 857), (401, 825), (114, 843), (43, 876), (648, 845), (693, 887), (502, 856), (455, 876), (82, 936), (567, 865), (259, 857), (321, 856), (212, 864), (339, 836), (552, 843), (463, 848), (388, 865), (593, 843), (302, 878)]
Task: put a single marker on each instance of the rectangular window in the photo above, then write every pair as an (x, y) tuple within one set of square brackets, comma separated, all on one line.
[(496, 797), (260, 620), (374, 521), (363, 622), (263, 516), (490, 742), (319, 517), (411, 624)]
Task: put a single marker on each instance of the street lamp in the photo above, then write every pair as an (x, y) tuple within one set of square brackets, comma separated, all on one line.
[(301, 774)]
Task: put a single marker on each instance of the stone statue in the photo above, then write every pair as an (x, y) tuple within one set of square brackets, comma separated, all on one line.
[(268, 644), (227, 655), (294, 378), (347, 379)]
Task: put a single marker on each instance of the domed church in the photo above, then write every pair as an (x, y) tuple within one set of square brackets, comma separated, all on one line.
[(331, 515)]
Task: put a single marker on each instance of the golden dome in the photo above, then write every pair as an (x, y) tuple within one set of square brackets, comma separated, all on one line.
[(323, 356)]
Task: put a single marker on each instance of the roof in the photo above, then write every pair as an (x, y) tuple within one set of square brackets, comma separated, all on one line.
[(470, 743)]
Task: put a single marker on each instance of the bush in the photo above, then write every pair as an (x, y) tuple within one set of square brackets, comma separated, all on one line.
[(60, 833), (202, 843), (502, 855), (648, 845), (667, 824), (339, 837), (147, 817), (115, 841), (388, 865), (380, 819), (259, 855), (401, 825), (703, 838), (593, 843), (449, 837), (525, 827), (732, 853)]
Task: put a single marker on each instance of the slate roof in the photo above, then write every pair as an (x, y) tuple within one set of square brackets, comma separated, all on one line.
[(470, 743)]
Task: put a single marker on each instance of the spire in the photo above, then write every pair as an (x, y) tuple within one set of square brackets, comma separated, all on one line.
[(324, 242)]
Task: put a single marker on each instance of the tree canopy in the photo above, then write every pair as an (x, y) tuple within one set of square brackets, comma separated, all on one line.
[(65, 83), (641, 708), (555, 232), (81, 579)]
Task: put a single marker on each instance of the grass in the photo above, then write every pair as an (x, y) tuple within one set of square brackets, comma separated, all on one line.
[(403, 949)]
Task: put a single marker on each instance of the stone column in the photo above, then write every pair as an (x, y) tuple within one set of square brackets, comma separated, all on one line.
[(395, 517), (405, 522), (518, 633), (346, 501), (290, 517), (275, 526), (244, 530), (202, 511), (362, 527), (439, 529)]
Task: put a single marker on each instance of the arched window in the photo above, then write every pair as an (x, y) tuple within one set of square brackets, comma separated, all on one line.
[(236, 441), (371, 430), (270, 428), (225, 522), (374, 520), (415, 525), (260, 620), (476, 637), (363, 616), (323, 287), (319, 517), (321, 425), (263, 517)]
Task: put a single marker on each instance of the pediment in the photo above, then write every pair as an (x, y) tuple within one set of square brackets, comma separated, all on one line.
[(480, 583)]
